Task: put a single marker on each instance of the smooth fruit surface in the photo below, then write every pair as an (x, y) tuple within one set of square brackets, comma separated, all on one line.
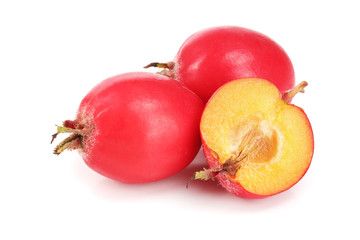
[(136, 127), (256, 143), (212, 57)]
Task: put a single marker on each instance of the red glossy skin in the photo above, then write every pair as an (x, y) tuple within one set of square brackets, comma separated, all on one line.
[(210, 58), (146, 127)]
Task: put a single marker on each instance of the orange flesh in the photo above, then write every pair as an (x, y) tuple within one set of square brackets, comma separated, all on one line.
[(247, 120)]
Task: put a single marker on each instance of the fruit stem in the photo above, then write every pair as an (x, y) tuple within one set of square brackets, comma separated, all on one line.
[(168, 65), (167, 68), (289, 95)]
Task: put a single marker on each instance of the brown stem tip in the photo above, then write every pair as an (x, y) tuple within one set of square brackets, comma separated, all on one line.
[(53, 137), (168, 65)]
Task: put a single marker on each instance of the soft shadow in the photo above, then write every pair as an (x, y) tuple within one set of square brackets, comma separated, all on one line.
[(117, 191), (205, 195), (212, 196)]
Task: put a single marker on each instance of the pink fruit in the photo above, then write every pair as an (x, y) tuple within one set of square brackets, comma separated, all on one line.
[(136, 128), (212, 57)]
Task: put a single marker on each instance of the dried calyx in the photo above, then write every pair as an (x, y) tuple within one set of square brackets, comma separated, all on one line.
[(75, 140)]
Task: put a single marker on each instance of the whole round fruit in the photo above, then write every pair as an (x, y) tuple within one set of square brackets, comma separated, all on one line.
[(136, 128), (212, 57)]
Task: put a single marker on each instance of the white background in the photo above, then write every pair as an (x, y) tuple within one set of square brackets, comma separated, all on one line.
[(53, 52)]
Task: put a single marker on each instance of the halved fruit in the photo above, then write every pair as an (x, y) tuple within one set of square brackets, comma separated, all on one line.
[(256, 143)]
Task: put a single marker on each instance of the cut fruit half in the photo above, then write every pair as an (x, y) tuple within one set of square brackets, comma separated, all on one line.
[(256, 143)]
